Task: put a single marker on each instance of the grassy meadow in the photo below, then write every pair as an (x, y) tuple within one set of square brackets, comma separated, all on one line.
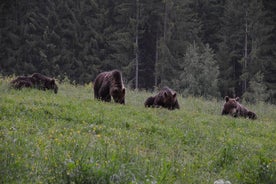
[(71, 138)]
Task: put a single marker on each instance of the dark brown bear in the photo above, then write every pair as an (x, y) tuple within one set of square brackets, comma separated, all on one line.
[(110, 84), (21, 82), (43, 82), (165, 98), (36, 80), (149, 102), (235, 109)]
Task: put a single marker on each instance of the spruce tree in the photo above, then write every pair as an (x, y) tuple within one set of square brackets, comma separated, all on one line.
[(199, 76), (257, 91)]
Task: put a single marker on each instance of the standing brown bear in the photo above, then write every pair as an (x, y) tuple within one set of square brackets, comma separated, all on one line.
[(36, 80), (165, 98), (110, 84), (235, 109)]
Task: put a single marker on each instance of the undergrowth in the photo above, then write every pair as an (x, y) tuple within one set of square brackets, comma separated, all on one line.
[(71, 138)]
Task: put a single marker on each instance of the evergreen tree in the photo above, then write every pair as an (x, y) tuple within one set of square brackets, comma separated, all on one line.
[(150, 31), (242, 50), (199, 75), (269, 50), (185, 30), (231, 48), (256, 36), (209, 12), (79, 39), (164, 59), (181, 26), (257, 90)]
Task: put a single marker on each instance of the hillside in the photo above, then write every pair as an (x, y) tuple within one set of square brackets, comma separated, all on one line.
[(72, 138)]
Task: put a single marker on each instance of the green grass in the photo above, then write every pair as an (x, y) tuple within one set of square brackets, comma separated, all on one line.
[(72, 138)]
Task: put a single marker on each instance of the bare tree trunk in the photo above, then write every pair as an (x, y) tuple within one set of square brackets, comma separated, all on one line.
[(165, 20), (245, 53), (137, 46), (160, 69), (156, 62)]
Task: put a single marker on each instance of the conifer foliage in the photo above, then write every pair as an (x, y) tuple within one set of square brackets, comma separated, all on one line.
[(203, 48)]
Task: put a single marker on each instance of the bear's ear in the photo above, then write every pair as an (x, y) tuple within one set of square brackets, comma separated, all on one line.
[(174, 95), (237, 99), (115, 90), (226, 98)]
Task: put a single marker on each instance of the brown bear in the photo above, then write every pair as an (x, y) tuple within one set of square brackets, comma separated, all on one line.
[(235, 109), (149, 102), (36, 80), (21, 82), (110, 84), (43, 82), (165, 98)]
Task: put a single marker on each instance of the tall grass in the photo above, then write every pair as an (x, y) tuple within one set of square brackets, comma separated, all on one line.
[(72, 138)]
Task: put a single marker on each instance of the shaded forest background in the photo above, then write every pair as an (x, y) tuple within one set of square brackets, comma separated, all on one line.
[(208, 48)]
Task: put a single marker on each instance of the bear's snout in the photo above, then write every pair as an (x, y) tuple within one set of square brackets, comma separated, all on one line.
[(234, 112)]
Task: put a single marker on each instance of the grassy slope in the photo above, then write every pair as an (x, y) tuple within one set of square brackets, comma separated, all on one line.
[(70, 137)]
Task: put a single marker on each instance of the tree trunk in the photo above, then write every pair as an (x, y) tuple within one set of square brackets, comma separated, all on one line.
[(156, 62), (137, 46), (165, 21), (245, 53)]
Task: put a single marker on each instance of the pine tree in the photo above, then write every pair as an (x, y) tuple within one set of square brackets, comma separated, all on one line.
[(256, 36), (150, 28), (242, 51), (199, 75), (181, 26), (257, 90), (209, 13), (268, 51), (231, 48), (79, 39)]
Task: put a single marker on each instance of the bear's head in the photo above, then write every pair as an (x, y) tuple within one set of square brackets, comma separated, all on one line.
[(51, 84), (251, 115), (170, 99), (149, 102), (231, 106), (118, 95)]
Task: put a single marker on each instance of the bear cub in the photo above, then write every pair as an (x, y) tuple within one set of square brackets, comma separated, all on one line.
[(234, 108), (165, 98), (110, 84), (35, 80)]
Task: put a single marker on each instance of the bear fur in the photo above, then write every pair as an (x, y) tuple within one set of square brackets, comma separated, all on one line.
[(149, 102), (165, 98), (234, 108), (43, 82), (21, 82), (36, 80), (110, 84)]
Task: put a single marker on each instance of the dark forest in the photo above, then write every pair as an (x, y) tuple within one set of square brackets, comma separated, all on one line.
[(206, 48)]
